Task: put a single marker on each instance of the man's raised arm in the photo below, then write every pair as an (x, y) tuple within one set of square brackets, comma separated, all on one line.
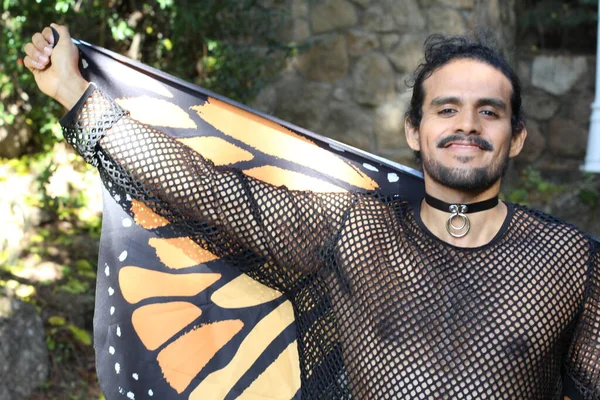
[(275, 235)]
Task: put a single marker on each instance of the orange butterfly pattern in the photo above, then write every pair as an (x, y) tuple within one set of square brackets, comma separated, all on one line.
[(172, 320)]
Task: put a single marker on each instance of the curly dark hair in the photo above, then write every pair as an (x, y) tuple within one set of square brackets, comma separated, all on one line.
[(440, 50)]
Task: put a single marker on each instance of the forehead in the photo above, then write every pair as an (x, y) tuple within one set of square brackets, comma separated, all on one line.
[(467, 79)]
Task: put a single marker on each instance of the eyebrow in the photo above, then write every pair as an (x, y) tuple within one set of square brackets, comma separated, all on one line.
[(486, 101)]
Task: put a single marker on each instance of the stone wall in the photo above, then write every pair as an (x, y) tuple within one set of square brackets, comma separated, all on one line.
[(348, 81), (557, 97), (23, 349)]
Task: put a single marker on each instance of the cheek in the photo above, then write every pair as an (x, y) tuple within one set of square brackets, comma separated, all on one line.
[(431, 132), (499, 134), (426, 143)]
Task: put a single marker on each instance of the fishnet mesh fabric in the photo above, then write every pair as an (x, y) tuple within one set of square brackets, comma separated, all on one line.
[(384, 309), (94, 119)]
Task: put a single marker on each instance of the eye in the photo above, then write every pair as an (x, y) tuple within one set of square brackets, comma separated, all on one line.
[(489, 113), (447, 111)]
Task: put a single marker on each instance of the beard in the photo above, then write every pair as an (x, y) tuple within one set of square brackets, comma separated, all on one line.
[(466, 179)]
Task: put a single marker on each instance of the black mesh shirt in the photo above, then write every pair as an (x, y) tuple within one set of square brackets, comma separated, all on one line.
[(384, 309)]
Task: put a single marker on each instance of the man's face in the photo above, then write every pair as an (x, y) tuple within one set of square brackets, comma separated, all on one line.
[(465, 137)]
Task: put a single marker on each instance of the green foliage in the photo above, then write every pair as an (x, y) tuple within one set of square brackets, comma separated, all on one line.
[(85, 269), (59, 335), (589, 193), (228, 46), (93, 226), (559, 14), (42, 166), (56, 320), (531, 188), (17, 87), (75, 286), (82, 336), (559, 24), (66, 344)]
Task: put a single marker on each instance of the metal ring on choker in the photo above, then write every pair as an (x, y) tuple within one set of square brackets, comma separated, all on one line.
[(458, 231), (460, 211)]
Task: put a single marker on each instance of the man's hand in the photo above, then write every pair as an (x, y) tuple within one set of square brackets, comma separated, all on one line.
[(55, 67)]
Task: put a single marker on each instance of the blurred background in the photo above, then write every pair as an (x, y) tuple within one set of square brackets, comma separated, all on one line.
[(336, 67)]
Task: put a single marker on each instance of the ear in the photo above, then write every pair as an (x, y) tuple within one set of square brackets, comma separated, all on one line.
[(412, 135), (517, 141)]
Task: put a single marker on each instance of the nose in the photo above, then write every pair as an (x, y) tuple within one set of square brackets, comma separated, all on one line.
[(467, 123)]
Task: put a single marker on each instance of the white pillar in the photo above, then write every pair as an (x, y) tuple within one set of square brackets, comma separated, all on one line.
[(592, 159)]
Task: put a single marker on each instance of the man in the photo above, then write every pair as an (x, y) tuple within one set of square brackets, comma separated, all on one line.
[(460, 296)]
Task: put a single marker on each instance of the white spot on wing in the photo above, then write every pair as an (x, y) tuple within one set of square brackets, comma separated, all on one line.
[(112, 310), (118, 331), (130, 395), (370, 167), (111, 350), (127, 222), (150, 392), (117, 368), (111, 291), (117, 197), (106, 270), (84, 63), (393, 177), (136, 376), (123, 256), (128, 197)]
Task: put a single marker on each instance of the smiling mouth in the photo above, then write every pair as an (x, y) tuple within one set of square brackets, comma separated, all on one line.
[(470, 143), (463, 145)]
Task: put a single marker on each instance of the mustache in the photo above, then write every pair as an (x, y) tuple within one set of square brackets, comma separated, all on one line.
[(476, 140)]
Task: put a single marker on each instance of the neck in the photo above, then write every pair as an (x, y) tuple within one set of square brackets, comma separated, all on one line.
[(455, 196), (484, 225)]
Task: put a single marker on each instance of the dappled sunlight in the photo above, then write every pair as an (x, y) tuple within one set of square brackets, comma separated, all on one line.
[(41, 272), (29, 246), (19, 290), (16, 213), (50, 208)]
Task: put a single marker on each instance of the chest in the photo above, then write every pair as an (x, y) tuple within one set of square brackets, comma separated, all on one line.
[(507, 294)]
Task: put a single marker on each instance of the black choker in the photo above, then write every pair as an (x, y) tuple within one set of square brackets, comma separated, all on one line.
[(460, 211)]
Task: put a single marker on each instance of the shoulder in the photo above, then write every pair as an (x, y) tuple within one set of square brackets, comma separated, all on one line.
[(372, 211), (545, 226), (378, 201)]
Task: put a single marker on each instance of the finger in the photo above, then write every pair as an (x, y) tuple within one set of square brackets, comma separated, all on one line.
[(40, 42), (47, 33), (29, 49), (36, 55), (31, 65)]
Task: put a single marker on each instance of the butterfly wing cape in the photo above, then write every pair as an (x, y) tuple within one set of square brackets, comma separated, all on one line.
[(172, 321)]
